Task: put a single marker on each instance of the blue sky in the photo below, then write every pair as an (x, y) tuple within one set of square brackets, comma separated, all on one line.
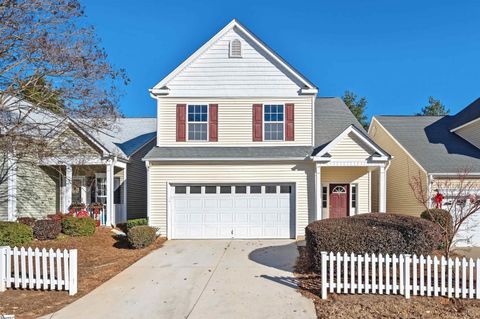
[(395, 53)]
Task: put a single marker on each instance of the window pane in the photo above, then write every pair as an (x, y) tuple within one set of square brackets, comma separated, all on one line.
[(195, 189), (180, 189), (255, 189), (285, 189), (270, 189), (210, 189), (225, 189), (241, 189), (191, 109)]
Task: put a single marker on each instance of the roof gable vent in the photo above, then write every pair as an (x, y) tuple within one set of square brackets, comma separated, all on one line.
[(235, 49)]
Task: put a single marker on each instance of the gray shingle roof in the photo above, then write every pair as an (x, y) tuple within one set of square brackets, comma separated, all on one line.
[(332, 117), (429, 140), (257, 152), (468, 114), (127, 135)]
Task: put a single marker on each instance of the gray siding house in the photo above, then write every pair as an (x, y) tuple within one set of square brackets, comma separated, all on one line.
[(107, 168)]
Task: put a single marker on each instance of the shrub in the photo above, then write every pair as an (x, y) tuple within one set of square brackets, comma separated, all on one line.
[(58, 217), (46, 229), (15, 234), (441, 217), (29, 221), (136, 222), (141, 236), (371, 233), (73, 226)]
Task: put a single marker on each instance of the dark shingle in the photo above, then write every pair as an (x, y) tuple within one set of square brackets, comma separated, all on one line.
[(429, 140), (468, 114)]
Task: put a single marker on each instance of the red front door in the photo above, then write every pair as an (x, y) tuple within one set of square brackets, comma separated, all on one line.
[(338, 200)]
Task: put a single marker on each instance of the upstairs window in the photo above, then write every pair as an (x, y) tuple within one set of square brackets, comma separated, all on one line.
[(235, 49), (273, 117), (197, 122)]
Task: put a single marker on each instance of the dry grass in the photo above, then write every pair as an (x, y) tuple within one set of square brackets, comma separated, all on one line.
[(379, 306), (100, 257)]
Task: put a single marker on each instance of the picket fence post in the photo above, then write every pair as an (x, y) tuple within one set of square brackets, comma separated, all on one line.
[(406, 276), (73, 272), (324, 274), (3, 268)]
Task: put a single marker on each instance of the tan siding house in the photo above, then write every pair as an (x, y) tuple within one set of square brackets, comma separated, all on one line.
[(245, 148), (400, 197), (439, 150)]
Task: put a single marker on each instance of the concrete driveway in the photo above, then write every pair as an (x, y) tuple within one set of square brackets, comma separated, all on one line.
[(202, 279)]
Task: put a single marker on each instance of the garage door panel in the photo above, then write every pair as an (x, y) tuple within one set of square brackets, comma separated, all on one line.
[(214, 213)]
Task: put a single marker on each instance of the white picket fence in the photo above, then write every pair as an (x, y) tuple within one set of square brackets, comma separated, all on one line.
[(38, 269), (403, 274)]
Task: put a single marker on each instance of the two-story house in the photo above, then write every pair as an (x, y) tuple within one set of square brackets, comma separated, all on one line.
[(441, 150), (246, 149)]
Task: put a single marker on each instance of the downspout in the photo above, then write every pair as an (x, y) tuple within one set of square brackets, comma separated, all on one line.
[(147, 165)]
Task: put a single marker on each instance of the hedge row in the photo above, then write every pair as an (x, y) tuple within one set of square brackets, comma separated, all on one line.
[(371, 233)]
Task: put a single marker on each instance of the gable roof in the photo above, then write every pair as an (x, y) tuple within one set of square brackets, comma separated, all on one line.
[(332, 117), (469, 114), (429, 140), (162, 87), (127, 135)]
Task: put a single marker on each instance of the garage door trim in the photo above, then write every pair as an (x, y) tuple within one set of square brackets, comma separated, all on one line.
[(170, 185)]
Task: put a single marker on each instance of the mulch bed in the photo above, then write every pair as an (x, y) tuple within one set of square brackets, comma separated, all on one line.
[(378, 306), (100, 257)]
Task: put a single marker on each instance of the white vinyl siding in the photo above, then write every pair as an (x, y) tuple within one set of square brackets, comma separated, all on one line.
[(351, 148), (234, 121), (215, 73), (471, 133), (161, 175)]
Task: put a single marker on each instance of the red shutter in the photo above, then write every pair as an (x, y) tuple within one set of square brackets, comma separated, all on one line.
[(181, 122), (257, 123), (289, 122), (213, 123)]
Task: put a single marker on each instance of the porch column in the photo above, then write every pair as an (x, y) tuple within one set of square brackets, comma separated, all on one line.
[(110, 206), (124, 199), (382, 190), (12, 188), (318, 192), (67, 194)]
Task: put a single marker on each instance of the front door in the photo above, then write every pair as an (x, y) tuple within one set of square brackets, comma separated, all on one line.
[(338, 200)]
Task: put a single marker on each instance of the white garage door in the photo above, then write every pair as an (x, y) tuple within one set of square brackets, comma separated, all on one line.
[(232, 211)]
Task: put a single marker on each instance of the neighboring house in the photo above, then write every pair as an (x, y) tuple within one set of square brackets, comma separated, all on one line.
[(438, 148), (107, 167), (246, 149)]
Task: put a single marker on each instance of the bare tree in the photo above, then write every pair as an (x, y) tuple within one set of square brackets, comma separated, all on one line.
[(51, 58), (459, 195)]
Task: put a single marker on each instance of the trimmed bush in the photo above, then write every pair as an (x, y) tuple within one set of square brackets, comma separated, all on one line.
[(371, 233), (73, 226), (141, 236), (441, 217), (15, 234), (58, 217), (46, 229), (136, 222), (29, 221)]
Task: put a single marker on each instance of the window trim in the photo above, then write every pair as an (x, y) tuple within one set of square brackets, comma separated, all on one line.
[(353, 210), (265, 122), (187, 129)]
